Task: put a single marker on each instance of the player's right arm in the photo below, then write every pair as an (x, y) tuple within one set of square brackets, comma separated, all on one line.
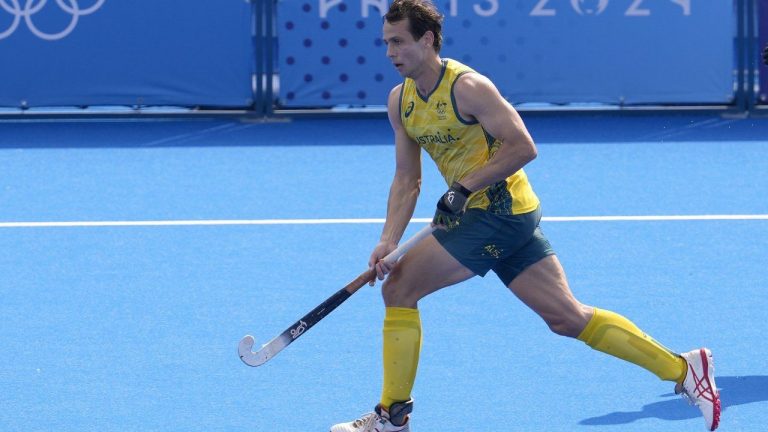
[(404, 190)]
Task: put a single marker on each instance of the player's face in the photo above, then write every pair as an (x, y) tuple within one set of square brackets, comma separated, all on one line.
[(405, 53)]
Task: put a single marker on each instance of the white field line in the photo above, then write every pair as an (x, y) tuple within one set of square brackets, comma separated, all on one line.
[(68, 224)]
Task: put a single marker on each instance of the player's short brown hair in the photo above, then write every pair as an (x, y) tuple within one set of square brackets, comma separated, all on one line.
[(422, 15)]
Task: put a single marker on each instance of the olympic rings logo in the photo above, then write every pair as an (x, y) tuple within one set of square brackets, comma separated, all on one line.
[(31, 7)]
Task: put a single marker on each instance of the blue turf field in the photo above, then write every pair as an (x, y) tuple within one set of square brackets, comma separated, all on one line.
[(135, 328)]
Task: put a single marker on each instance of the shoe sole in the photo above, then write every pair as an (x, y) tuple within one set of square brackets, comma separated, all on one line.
[(706, 357)]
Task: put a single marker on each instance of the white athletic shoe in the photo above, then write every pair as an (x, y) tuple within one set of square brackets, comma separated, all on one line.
[(379, 420), (699, 386)]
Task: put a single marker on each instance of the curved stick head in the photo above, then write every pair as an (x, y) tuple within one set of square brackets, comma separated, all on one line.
[(249, 357)]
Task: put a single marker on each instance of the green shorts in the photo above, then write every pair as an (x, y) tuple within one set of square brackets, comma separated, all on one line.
[(506, 244)]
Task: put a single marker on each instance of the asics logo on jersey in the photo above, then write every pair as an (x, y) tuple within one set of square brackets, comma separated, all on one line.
[(409, 110), (32, 7)]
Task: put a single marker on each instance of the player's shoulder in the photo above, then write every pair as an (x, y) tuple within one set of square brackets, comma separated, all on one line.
[(394, 95), (474, 92), (396, 90), (474, 85), (472, 81), (393, 104)]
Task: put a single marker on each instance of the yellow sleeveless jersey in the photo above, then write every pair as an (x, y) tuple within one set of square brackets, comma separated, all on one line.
[(458, 146)]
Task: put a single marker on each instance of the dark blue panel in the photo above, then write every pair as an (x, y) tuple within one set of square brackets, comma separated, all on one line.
[(145, 52), (553, 51), (762, 29), (330, 53)]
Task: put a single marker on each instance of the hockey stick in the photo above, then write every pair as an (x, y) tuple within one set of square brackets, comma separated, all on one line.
[(273, 347)]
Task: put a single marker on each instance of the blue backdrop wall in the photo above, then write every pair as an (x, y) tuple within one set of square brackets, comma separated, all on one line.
[(762, 24), (554, 51), (125, 52), (202, 52)]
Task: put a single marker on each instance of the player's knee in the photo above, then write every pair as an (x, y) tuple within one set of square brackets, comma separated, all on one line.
[(391, 291), (562, 328), (395, 292), (569, 325)]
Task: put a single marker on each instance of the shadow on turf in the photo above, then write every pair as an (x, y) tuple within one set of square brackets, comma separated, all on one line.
[(734, 390)]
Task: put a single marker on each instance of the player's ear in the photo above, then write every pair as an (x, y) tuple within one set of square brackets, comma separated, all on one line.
[(428, 39)]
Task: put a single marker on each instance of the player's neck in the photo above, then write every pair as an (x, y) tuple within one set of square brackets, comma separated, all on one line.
[(426, 79)]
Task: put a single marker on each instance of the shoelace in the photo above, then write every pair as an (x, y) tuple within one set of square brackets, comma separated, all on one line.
[(366, 420)]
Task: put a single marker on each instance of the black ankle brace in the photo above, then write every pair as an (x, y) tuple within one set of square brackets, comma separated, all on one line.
[(398, 412)]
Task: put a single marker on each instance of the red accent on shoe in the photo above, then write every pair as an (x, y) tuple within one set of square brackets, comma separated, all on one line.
[(716, 416), (705, 390)]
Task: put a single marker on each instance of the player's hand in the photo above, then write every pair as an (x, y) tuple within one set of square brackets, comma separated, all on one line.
[(765, 55), (450, 207), (377, 260)]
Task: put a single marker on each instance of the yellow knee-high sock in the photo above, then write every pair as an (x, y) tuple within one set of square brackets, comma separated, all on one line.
[(613, 334), (402, 343)]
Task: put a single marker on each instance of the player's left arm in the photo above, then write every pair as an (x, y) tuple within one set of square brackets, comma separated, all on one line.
[(477, 98)]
